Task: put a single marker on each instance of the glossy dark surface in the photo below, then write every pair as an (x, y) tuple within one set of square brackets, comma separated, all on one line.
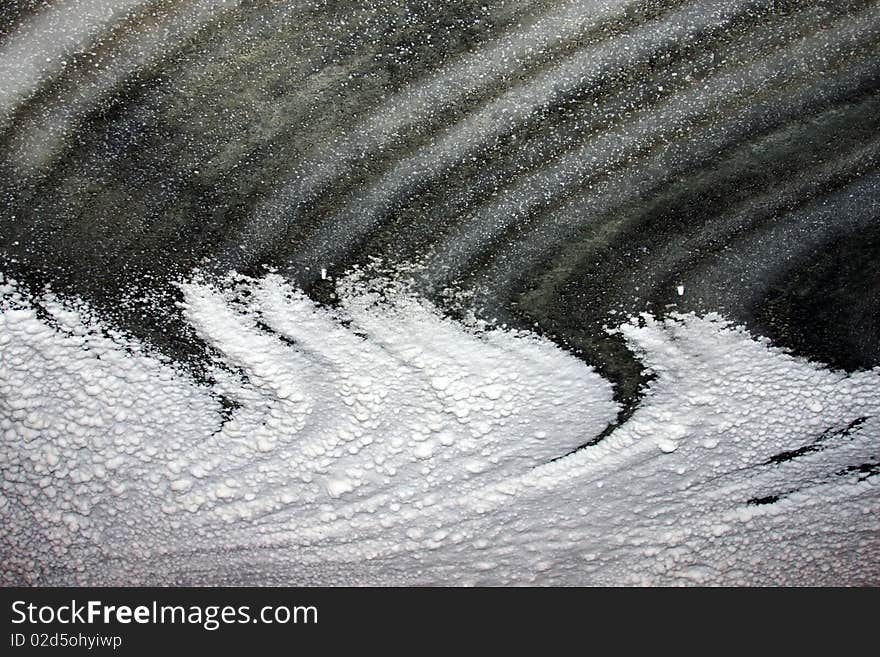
[(570, 163)]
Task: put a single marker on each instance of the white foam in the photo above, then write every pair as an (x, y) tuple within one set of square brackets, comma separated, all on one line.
[(381, 442)]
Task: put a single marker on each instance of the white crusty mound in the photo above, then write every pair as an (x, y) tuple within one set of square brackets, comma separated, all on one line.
[(381, 443)]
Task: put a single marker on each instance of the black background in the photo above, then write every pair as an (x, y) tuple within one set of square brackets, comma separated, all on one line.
[(456, 621)]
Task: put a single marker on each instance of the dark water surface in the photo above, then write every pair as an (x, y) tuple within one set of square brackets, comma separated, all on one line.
[(567, 162)]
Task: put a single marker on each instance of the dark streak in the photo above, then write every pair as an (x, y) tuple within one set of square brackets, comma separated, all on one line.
[(818, 444)]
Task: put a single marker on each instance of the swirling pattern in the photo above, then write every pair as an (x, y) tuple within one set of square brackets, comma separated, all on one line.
[(548, 165), (380, 442), (566, 160)]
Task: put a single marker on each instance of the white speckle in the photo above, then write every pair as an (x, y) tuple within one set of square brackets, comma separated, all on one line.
[(440, 383), (475, 467), (424, 450), (667, 446), (493, 392), (338, 487), (224, 491)]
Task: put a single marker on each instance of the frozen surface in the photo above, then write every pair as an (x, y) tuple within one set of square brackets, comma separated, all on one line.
[(382, 443)]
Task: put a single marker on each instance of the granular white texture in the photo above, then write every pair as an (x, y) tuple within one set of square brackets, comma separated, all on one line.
[(383, 443)]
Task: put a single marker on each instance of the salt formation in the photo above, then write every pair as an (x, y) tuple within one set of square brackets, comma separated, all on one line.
[(380, 442)]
